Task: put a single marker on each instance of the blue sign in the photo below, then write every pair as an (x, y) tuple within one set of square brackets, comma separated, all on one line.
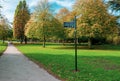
[(69, 24)]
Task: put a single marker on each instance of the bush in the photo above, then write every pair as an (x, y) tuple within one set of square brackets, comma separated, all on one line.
[(83, 39), (98, 41)]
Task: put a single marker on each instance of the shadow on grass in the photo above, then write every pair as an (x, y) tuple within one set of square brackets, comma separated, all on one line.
[(3, 47), (99, 68)]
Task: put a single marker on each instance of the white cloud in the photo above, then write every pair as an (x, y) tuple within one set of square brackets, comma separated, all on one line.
[(9, 6)]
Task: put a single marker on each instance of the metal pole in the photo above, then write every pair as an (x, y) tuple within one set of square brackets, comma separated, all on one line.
[(76, 69)]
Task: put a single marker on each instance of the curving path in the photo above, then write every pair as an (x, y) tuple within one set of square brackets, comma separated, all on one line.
[(14, 66)]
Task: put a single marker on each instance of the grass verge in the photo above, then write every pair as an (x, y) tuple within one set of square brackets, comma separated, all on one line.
[(99, 64), (2, 47)]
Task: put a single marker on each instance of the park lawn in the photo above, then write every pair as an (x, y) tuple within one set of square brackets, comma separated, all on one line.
[(2, 47), (100, 64)]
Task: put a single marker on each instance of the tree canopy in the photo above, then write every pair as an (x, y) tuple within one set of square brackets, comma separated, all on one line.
[(95, 20), (43, 24), (114, 5), (21, 17), (4, 29)]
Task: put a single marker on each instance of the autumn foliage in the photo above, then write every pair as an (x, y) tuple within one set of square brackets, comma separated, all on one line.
[(21, 17), (93, 20)]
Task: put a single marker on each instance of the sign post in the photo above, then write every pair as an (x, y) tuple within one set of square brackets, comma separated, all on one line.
[(69, 24), (76, 69), (73, 24)]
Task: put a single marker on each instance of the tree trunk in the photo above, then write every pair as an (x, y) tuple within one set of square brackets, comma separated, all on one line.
[(25, 40), (21, 40), (3, 40), (90, 43), (32, 39), (63, 41), (44, 40)]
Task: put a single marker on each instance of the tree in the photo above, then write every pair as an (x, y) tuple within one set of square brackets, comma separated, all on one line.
[(56, 30), (114, 5), (30, 27), (43, 15), (95, 21), (21, 17), (64, 15), (43, 24), (4, 28)]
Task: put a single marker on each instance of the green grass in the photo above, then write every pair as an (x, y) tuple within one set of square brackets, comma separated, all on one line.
[(99, 64), (2, 47)]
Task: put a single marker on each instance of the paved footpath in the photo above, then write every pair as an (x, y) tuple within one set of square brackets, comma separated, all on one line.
[(14, 66)]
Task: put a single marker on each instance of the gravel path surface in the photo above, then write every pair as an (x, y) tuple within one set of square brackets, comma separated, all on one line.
[(14, 66)]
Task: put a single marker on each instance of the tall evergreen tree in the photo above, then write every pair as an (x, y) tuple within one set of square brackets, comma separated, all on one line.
[(21, 17)]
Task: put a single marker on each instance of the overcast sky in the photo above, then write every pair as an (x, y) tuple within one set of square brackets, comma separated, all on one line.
[(9, 6)]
